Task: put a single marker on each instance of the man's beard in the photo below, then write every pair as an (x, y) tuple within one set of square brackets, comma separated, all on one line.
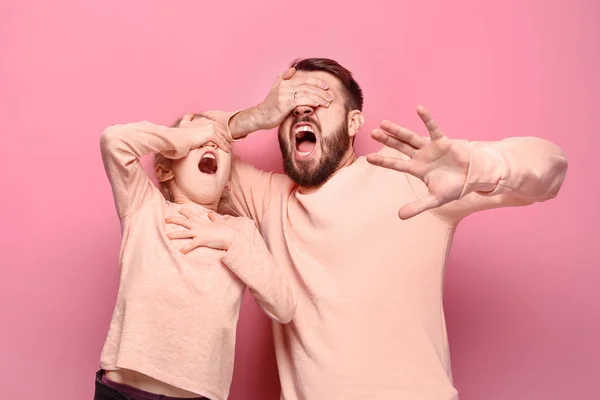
[(333, 150)]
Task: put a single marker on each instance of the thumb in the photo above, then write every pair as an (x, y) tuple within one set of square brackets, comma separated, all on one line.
[(187, 212), (418, 206), (214, 217), (191, 246), (186, 119), (288, 74)]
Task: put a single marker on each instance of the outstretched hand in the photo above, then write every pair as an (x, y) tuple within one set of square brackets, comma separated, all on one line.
[(440, 162)]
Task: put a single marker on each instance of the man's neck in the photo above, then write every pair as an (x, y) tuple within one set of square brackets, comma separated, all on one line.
[(348, 160)]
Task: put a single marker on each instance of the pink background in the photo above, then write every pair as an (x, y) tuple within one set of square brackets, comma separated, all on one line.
[(523, 318)]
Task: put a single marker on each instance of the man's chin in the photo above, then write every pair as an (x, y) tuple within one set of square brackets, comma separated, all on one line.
[(306, 166), (303, 175)]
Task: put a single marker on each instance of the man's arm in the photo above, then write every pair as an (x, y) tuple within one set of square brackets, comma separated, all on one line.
[(250, 260), (250, 190), (454, 178), (513, 172)]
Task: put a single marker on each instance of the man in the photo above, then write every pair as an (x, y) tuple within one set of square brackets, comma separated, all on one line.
[(369, 323)]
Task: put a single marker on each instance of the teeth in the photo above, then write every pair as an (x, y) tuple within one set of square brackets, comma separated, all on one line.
[(209, 155), (304, 153), (304, 128)]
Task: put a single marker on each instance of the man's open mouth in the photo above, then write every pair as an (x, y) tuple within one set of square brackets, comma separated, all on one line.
[(305, 140), (208, 163)]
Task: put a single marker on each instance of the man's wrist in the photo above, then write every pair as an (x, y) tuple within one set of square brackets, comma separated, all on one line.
[(486, 169), (247, 121)]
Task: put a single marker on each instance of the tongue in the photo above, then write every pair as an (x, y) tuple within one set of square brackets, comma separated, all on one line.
[(208, 165), (306, 147)]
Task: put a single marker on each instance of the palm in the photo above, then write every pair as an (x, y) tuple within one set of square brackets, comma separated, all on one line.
[(443, 168), (441, 163)]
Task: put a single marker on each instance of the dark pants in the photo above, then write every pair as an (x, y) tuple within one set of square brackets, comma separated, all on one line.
[(108, 390)]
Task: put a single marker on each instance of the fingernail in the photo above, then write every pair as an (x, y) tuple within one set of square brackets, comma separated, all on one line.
[(324, 85)]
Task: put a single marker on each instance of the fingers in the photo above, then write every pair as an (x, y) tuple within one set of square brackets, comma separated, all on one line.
[(318, 83), (432, 127), (390, 162), (191, 246), (181, 221), (223, 140), (201, 241), (206, 131), (187, 234), (224, 145), (218, 141), (191, 219), (393, 142), (309, 99), (226, 134), (219, 137), (322, 94), (403, 134), (189, 213), (213, 216), (418, 206), (288, 74), (186, 119)]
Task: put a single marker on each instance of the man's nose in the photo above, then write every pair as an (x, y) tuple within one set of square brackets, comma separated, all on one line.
[(301, 111), (210, 144)]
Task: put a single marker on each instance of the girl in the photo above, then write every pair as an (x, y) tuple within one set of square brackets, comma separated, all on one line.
[(172, 333)]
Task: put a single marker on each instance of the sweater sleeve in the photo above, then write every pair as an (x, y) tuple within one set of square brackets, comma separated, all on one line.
[(516, 171), (122, 146), (250, 260), (251, 189)]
